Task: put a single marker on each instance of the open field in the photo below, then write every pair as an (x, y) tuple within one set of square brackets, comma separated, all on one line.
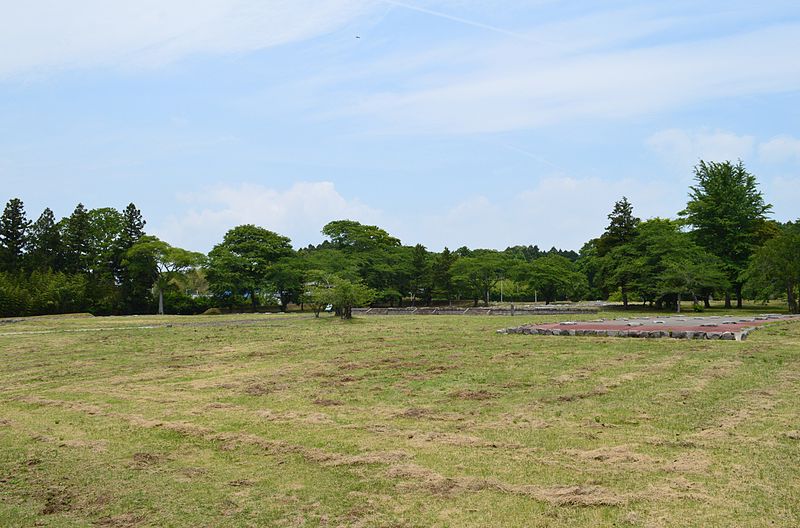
[(287, 420)]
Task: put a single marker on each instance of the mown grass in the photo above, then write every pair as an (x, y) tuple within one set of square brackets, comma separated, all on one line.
[(288, 420)]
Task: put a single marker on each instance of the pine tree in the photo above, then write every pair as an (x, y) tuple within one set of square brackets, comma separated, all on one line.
[(45, 242), (13, 236), (727, 213), (621, 228), (76, 240), (134, 272)]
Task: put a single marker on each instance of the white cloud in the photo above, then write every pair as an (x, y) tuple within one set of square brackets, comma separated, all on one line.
[(38, 35), (558, 211), (298, 212), (780, 149), (511, 86), (685, 148)]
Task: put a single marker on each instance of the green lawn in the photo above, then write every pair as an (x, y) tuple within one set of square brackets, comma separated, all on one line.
[(288, 420)]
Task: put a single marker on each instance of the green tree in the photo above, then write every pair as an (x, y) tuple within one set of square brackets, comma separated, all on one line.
[(353, 236), (420, 280), (13, 236), (442, 274), (45, 243), (135, 281), (727, 213), (774, 268), (478, 274), (287, 278), (346, 295), (240, 265), (76, 238), (610, 260), (556, 277), (170, 262)]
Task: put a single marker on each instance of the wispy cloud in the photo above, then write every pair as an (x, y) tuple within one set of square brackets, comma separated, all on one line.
[(298, 212), (38, 36), (501, 87), (780, 149), (684, 148)]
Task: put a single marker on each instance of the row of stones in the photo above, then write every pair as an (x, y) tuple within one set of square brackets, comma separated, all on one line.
[(676, 334)]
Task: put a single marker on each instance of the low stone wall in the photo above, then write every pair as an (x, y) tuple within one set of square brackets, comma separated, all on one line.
[(481, 310)]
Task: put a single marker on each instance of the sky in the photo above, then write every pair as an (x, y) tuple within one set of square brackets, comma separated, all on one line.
[(446, 122)]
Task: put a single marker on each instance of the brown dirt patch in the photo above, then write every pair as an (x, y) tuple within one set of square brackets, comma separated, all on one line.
[(417, 477), (453, 439), (621, 454), (145, 460), (481, 394), (597, 391), (123, 520), (57, 499), (292, 416), (326, 402)]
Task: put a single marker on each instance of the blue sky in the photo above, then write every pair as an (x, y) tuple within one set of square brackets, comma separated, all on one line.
[(451, 122)]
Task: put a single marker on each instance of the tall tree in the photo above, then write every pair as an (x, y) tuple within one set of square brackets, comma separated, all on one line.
[(478, 274), (443, 273), (420, 274), (45, 242), (612, 265), (774, 268), (76, 238), (556, 277), (240, 265), (621, 228), (135, 281), (727, 213), (13, 236), (170, 262)]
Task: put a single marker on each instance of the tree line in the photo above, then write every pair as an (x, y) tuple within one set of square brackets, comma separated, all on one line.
[(721, 245)]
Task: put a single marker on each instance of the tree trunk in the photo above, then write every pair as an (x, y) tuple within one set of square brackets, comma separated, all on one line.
[(727, 299), (790, 297), (624, 297), (160, 302), (707, 300), (678, 304), (738, 289)]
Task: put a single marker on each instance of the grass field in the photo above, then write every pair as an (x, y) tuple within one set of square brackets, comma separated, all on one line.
[(288, 420)]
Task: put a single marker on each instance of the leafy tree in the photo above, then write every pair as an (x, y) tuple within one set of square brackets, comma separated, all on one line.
[(318, 291), (240, 265), (727, 213), (13, 235), (287, 277), (170, 262), (610, 261), (346, 295), (662, 262), (421, 280), (45, 243), (774, 268), (621, 228), (353, 236), (556, 277), (477, 275), (135, 278), (442, 273)]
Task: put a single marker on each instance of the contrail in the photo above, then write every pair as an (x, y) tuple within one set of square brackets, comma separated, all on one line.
[(461, 20)]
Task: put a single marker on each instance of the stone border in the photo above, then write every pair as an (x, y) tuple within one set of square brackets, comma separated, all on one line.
[(426, 310), (649, 334), (618, 330)]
